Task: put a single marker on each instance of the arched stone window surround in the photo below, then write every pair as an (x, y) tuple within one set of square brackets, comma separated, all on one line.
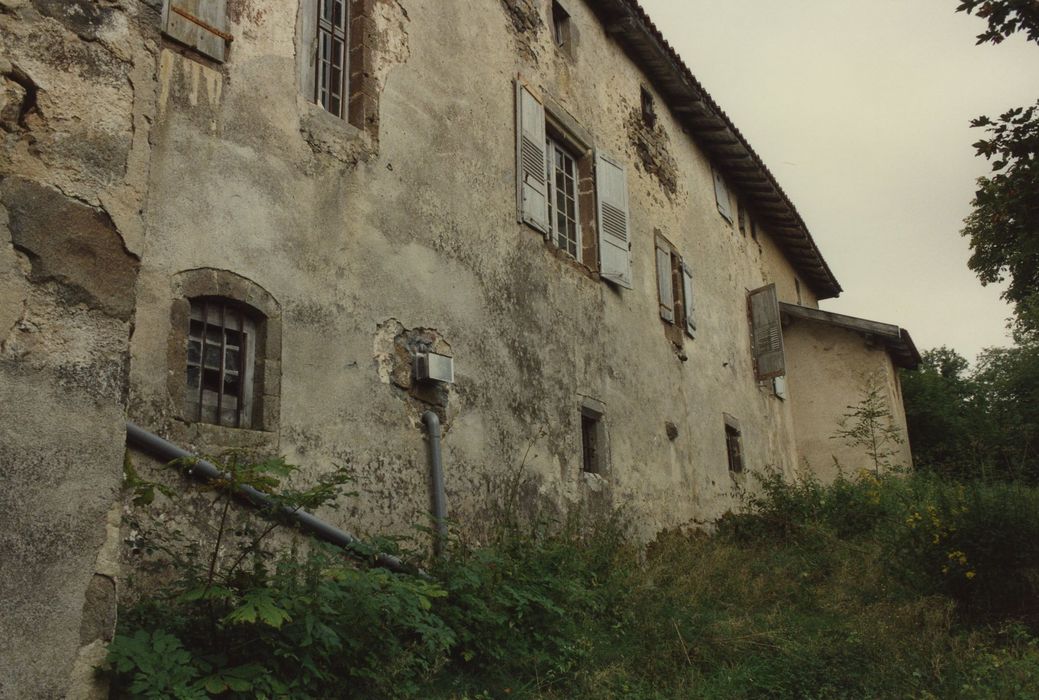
[(266, 312)]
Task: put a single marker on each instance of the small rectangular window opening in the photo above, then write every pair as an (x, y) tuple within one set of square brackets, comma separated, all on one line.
[(649, 112), (592, 440), (330, 90), (797, 288), (733, 448), (560, 26), (741, 217)]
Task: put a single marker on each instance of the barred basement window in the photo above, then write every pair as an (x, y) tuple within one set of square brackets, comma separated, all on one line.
[(332, 75), (220, 363), (562, 199)]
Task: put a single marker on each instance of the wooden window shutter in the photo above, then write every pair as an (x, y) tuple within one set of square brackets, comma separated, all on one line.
[(199, 24), (766, 333), (611, 191), (667, 303), (690, 307), (721, 195), (531, 168)]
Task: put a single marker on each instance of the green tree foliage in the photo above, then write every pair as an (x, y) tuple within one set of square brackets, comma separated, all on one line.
[(1004, 17), (1003, 226), (981, 422)]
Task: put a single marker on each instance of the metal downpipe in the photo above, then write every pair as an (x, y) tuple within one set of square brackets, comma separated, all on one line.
[(201, 469), (436, 468)]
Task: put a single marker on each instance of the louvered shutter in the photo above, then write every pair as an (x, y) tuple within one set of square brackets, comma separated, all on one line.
[(667, 303), (766, 333), (690, 308), (611, 191), (721, 195), (531, 170), (200, 24)]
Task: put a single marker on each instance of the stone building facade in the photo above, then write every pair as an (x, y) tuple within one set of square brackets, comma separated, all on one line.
[(236, 223)]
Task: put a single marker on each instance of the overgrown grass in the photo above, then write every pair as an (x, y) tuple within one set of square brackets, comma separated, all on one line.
[(901, 586)]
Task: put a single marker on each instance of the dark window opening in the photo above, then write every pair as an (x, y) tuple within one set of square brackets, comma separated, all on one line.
[(733, 448), (332, 74), (592, 441), (741, 217), (649, 111), (560, 26), (220, 359), (797, 288)]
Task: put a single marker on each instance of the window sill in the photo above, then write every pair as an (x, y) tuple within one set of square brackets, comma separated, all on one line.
[(211, 439), (327, 134), (571, 262)]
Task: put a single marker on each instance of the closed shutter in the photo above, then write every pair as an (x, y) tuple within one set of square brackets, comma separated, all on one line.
[(611, 190), (721, 195), (690, 307), (766, 333), (531, 168), (200, 24), (667, 303)]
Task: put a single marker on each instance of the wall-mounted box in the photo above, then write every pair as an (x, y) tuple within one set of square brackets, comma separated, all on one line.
[(432, 367)]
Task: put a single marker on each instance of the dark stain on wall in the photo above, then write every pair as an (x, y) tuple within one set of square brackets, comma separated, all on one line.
[(71, 244)]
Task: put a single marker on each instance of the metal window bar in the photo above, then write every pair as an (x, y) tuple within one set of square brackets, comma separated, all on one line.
[(223, 376), (331, 75)]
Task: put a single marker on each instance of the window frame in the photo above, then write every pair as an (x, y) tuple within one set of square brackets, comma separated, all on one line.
[(328, 29), (675, 316), (592, 432), (552, 148), (260, 425), (734, 445), (562, 26), (231, 313)]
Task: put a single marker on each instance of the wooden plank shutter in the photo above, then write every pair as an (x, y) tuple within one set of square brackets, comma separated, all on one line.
[(611, 191), (667, 303), (531, 168), (766, 333), (200, 24), (687, 294), (721, 195)]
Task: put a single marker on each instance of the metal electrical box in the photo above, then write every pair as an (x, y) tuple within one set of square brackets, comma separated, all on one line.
[(432, 367)]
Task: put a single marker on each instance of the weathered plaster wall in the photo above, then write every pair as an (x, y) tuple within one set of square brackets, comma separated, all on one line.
[(828, 370), (358, 239), (75, 83)]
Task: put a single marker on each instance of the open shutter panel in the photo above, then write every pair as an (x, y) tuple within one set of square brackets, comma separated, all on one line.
[(667, 304), (766, 333), (690, 306), (721, 195), (611, 190), (200, 24), (531, 170)]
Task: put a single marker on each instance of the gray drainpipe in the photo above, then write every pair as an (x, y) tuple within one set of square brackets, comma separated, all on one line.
[(203, 470), (436, 468)]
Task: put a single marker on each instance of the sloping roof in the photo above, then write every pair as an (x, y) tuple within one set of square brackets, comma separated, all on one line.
[(712, 129), (897, 340)]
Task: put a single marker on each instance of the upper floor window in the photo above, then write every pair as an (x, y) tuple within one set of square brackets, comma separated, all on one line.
[(566, 189), (221, 363), (561, 27), (675, 292), (733, 445), (721, 196), (332, 70), (563, 218), (649, 110)]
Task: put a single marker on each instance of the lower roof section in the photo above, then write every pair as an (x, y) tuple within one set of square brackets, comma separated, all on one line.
[(896, 340)]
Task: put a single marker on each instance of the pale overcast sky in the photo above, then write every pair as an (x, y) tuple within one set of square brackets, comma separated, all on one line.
[(862, 110)]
